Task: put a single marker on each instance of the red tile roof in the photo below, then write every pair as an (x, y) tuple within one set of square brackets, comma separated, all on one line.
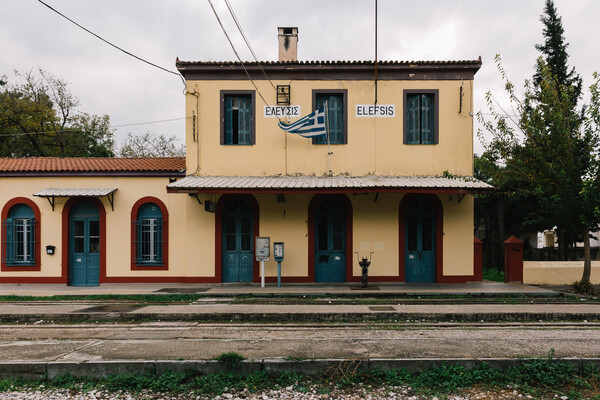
[(330, 70), (93, 165), (415, 63)]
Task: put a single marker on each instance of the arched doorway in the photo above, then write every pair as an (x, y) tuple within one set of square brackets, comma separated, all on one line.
[(420, 241), (237, 241), (330, 240), (84, 244)]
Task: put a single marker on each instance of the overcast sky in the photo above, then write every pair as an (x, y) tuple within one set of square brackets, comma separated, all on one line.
[(107, 81)]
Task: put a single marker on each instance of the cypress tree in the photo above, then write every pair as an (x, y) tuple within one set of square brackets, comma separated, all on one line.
[(554, 52)]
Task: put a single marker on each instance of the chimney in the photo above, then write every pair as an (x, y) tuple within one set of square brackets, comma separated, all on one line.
[(288, 44)]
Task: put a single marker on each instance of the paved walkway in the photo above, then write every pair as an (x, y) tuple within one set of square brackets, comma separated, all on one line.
[(215, 303), (475, 288)]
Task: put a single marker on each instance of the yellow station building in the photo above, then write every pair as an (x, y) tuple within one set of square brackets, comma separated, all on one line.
[(392, 181)]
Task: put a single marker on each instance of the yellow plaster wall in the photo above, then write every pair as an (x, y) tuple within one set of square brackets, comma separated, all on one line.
[(198, 234), (557, 272), (374, 144), (376, 230), (458, 234), (286, 222), (192, 230), (118, 222)]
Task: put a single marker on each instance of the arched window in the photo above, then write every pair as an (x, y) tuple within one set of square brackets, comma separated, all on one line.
[(149, 235), (19, 236)]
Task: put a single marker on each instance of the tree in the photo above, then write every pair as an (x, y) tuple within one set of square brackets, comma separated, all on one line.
[(548, 161), (39, 118), (554, 53), (554, 50), (151, 145), (550, 154)]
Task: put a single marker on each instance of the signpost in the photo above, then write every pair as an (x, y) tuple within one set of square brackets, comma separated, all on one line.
[(262, 249), (278, 255)]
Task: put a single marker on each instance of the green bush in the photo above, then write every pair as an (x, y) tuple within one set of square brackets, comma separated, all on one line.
[(230, 359), (583, 287)]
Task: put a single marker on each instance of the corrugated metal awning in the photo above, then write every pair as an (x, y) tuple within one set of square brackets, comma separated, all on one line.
[(327, 184), (51, 193), (55, 192)]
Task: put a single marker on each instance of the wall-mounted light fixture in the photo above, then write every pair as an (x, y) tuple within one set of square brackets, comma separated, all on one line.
[(283, 95)]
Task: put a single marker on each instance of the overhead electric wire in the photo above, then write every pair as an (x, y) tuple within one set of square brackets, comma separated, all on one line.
[(114, 45), (237, 55), (239, 26), (79, 130)]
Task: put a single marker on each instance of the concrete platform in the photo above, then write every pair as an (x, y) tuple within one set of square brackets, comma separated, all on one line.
[(474, 288)]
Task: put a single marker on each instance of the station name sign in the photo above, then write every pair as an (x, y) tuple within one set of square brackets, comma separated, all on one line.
[(376, 110), (282, 111)]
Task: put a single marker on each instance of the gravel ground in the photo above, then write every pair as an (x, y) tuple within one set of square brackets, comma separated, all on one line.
[(397, 393)]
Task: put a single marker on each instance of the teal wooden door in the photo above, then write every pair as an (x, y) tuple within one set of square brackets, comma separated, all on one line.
[(420, 257), (330, 242), (237, 242), (84, 246)]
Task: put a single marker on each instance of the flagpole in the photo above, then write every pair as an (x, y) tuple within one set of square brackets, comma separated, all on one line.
[(329, 153)]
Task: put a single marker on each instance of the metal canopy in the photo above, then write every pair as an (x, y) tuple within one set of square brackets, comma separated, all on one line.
[(328, 184), (52, 193)]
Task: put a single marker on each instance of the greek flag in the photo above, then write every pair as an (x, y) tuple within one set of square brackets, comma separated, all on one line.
[(310, 126)]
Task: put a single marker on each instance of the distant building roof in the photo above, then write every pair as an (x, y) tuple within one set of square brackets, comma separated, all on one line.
[(32, 166), (364, 70)]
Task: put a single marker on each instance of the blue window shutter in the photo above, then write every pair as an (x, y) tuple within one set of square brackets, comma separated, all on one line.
[(31, 241), (321, 100), (245, 120), (335, 118), (9, 241), (413, 120), (427, 119), (228, 120)]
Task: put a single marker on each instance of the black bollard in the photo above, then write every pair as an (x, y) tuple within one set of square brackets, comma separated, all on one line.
[(365, 271)]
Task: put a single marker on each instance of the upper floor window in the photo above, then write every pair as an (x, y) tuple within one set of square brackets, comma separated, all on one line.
[(421, 116), (19, 236), (337, 115), (237, 117), (149, 235)]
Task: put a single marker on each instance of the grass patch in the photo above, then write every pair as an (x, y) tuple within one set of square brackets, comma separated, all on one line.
[(540, 378), (230, 360), (492, 274)]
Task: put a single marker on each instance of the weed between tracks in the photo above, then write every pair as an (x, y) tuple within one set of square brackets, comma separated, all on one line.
[(540, 378)]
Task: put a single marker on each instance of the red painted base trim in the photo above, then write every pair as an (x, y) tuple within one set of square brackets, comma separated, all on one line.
[(212, 279), (458, 279), (33, 279), (377, 279), (161, 279)]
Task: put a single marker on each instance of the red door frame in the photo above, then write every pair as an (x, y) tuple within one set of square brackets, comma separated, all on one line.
[(439, 233), (223, 200), (312, 207), (66, 242)]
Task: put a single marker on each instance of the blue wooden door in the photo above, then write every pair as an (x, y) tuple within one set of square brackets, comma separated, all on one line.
[(84, 246), (420, 257), (237, 242), (330, 242)]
